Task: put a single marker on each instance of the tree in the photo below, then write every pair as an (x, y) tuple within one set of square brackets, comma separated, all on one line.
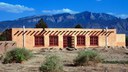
[(126, 40), (41, 24), (5, 36), (78, 26)]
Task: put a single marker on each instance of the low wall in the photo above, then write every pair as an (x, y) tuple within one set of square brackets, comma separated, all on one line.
[(6, 45)]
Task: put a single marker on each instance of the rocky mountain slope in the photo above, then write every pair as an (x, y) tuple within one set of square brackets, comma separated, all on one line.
[(66, 20)]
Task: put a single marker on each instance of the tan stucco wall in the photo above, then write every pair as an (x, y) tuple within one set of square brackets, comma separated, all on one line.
[(29, 39), (120, 40)]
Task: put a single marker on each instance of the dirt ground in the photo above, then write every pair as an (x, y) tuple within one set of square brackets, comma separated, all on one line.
[(67, 57)]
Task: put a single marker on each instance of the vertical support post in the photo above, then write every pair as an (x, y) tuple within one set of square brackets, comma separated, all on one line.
[(23, 37), (106, 38)]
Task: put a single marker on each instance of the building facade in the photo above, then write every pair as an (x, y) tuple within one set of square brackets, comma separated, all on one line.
[(34, 38)]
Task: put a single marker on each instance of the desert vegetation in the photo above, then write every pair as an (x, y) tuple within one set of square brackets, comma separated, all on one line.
[(87, 57), (113, 59), (17, 55), (52, 64)]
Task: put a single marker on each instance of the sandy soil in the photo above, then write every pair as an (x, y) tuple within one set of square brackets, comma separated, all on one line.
[(67, 57)]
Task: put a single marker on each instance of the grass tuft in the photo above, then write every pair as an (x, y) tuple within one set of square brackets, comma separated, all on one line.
[(87, 58), (52, 64)]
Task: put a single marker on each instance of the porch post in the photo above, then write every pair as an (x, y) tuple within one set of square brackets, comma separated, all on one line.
[(106, 38), (23, 36)]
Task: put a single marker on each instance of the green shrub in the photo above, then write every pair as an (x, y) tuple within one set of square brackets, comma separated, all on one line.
[(116, 62), (87, 57), (52, 64), (2, 38), (17, 55)]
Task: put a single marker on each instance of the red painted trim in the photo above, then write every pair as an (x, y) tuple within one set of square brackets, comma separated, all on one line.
[(97, 40), (80, 41), (39, 42), (93, 45), (54, 43), (65, 42), (39, 46)]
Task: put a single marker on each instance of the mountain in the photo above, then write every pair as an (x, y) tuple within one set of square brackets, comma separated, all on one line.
[(66, 20)]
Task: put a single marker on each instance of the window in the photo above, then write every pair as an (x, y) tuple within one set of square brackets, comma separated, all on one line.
[(81, 40), (53, 40), (39, 41), (93, 40)]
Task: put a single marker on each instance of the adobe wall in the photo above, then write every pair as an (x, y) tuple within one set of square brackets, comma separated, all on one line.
[(120, 40), (17, 36), (6, 46)]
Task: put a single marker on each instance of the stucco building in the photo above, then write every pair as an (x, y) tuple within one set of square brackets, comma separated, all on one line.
[(34, 38)]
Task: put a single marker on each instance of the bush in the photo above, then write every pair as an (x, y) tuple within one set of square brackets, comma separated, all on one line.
[(52, 64), (87, 57), (2, 38), (116, 62), (17, 55)]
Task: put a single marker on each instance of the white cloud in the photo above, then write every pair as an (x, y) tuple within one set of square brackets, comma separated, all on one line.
[(14, 8), (98, 0), (123, 15), (65, 10), (110, 13), (119, 15)]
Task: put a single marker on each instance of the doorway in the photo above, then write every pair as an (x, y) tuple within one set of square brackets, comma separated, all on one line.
[(67, 41)]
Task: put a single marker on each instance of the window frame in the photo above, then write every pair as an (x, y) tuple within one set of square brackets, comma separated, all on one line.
[(53, 40), (39, 40), (81, 40), (94, 40)]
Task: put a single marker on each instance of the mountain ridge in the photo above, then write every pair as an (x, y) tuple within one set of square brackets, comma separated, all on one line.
[(67, 20)]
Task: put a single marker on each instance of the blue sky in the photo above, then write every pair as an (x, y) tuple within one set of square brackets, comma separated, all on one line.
[(13, 9)]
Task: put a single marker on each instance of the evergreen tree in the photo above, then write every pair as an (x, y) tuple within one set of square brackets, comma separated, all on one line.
[(78, 26), (41, 24), (126, 40)]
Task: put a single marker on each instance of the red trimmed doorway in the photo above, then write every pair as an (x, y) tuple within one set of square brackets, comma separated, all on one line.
[(67, 41)]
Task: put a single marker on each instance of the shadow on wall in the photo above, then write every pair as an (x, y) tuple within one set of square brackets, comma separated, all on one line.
[(6, 46)]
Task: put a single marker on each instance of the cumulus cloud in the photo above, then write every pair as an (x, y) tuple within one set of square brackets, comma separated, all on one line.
[(65, 10), (14, 8), (119, 15)]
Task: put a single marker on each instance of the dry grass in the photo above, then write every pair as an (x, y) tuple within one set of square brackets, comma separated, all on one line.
[(32, 65)]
